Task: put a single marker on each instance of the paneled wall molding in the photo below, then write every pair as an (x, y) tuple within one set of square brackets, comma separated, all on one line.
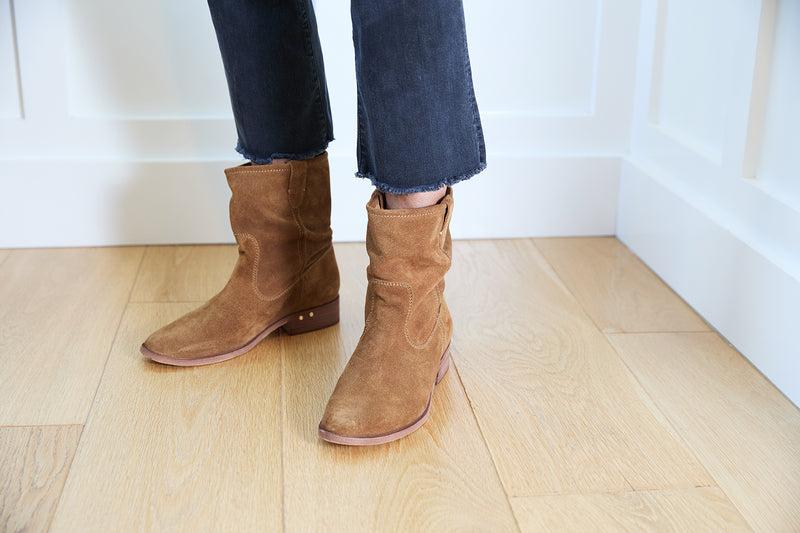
[(743, 293), (708, 194), (129, 127), (10, 101), (727, 188), (81, 202)]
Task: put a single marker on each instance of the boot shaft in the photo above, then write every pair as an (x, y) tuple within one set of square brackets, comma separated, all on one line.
[(280, 216), (409, 245)]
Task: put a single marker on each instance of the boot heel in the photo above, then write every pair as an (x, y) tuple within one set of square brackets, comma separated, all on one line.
[(313, 319), (444, 365)]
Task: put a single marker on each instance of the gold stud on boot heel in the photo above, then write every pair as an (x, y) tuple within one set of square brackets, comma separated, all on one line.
[(313, 319)]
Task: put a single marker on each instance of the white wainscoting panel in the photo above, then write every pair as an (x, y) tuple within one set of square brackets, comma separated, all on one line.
[(562, 82), (10, 105), (696, 68), (144, 59), (520, 73), (746, 297), (711, 80), (95, 202), (779, 164), (127, 125)]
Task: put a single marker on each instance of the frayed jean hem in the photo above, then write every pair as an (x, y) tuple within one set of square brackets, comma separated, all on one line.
[(448, 182), (266, 161)]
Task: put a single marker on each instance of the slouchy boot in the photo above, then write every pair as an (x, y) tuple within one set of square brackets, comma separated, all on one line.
[(286, 275), (386, 389)]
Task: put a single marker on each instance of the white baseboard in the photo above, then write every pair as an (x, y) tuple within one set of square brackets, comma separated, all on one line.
[(104, 202), (745, 296)]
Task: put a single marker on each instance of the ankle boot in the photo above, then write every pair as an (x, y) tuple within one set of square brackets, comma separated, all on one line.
[(386, 389), (286, 275)]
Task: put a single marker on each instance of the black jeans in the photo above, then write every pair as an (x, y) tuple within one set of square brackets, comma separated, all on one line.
[(418, 122)]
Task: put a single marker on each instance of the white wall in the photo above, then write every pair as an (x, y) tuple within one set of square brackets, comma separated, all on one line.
[(709, 193), (115, 123)]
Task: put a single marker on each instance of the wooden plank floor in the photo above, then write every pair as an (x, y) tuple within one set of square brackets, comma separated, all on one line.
[(584, 395)]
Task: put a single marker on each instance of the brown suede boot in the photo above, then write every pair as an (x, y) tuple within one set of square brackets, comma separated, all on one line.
[(286, 275), (386, 389)]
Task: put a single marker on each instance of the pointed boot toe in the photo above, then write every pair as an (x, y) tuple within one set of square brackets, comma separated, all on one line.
[(355, 419)]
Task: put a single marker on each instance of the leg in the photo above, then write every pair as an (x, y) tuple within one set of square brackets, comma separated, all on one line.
[(418, 124), (419, 132), (414, 200), (276, 78)]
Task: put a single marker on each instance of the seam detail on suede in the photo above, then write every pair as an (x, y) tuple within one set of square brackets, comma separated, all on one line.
[(444, 251), (367, 317), (321, 256), (301, 248), (296, 218), (255, 170), (254, 276), (410, 307), (441, 329), (296, 210), (369, 314), (405, 216)]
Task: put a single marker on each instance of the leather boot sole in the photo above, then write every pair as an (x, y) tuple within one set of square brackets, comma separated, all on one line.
[(444, 365), (303, 321)]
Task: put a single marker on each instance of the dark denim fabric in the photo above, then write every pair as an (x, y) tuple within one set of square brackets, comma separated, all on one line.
[(418, 122)]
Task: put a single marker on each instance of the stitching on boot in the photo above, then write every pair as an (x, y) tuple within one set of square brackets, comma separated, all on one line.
[(441, 329), (254, 276), (371, 309), (255, 169), (369, 314), (301, 243), (405, 216), (296, 215), (410, 307)]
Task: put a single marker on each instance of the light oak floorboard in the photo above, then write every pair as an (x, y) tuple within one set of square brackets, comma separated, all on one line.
[(33, 465), (59, 311), (615, 288), (183, 273), (178, 449), (697, 510), (440, 478), (3, 254), (557, 406), (743, 430)]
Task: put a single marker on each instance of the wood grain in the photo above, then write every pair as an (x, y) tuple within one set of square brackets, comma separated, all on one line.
[(615, 288), (743, 430), (697, 510), (439, 478), (557, 406), (59, 311), (583, 431), (183, 273), (178, 449), (33, 466)]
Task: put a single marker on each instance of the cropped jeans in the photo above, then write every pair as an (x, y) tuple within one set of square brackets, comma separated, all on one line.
[(418, 122)]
